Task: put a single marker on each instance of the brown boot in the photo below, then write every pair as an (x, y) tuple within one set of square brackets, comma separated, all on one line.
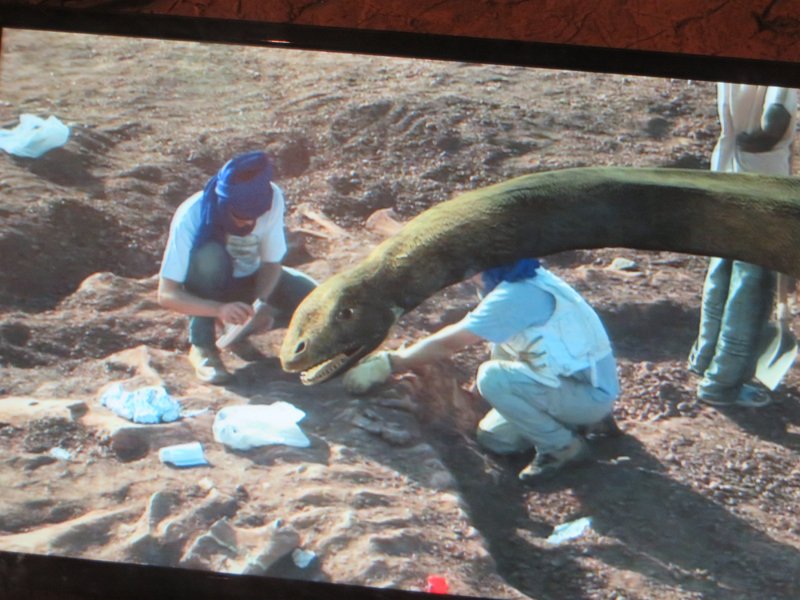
[(208, 366), (547, 464), (606, 427)]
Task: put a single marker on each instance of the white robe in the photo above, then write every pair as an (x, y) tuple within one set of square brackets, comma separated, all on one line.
[(741, 108)]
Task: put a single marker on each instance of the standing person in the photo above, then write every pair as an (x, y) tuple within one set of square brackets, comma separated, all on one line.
[(224, 252), (758, 124), (551, 372)]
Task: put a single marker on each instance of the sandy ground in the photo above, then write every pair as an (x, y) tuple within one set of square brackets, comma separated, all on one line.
[(692, 503)]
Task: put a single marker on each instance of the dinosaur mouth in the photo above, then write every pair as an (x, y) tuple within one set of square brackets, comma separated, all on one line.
[(329, 368)]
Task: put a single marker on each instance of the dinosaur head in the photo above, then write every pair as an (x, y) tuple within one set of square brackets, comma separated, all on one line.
[(340, 322)]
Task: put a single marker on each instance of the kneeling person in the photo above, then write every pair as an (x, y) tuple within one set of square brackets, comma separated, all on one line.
[(224, 252), (551, 374)]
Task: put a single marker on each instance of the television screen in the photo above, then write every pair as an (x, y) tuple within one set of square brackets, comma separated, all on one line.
[(112, 448)]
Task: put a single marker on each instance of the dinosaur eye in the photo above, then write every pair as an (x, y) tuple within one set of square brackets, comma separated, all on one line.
[(345, 314)]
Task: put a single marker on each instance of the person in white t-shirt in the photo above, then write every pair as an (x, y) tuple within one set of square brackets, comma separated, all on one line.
[(551, 375), (757, 127), (224, 252)]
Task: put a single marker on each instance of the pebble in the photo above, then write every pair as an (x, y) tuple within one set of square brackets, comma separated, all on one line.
[(623, 264)]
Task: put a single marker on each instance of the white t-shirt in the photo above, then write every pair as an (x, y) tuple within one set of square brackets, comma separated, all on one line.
[(266, 243)]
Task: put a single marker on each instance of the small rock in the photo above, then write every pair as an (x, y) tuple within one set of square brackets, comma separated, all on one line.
[(241, 493), (303, 558), (224, 533), (206, 484), (400, 402), (128, 446), (60, 453), (384, 222), (91, 529), (367, 424), (206, 552), (282, 541), (38, 461), (159, 508), (146, 549), (396, 437), (623, 264), (22, 411), (657, 127), (213, 508), (442, 480)]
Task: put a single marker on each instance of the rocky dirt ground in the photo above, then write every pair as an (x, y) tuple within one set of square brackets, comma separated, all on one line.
[(692, 502)]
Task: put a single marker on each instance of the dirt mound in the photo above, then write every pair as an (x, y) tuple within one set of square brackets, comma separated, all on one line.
[(691, 503)]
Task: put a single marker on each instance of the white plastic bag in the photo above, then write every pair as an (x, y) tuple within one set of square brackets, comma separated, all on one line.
[(254, 425), (34, 136), (569, 531)]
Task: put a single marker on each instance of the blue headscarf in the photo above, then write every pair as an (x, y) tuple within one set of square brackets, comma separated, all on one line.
[(524, 268), (243, 186)]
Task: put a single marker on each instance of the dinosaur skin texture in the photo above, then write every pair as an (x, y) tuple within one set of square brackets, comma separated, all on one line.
[(755, 218)]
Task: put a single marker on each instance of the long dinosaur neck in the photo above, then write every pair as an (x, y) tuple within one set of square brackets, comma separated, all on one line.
[(745, 217)]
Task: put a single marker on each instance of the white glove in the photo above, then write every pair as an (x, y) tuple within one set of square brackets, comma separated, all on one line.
[(370, 372)]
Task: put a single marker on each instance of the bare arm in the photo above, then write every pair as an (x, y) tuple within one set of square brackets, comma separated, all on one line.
[(266, 279), (172, 295), (437, 346)]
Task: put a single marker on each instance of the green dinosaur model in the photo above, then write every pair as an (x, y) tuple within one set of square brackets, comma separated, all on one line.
[(755, 218)]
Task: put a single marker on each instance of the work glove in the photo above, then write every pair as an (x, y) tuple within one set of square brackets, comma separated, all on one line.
[(367, 374), (773, 127)]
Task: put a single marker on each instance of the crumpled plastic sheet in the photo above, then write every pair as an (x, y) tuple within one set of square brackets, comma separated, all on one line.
[(34, 136), (243, 427), (144, 405)]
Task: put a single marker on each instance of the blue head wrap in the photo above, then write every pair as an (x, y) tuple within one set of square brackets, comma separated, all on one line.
[(524, 268), (242, 186)]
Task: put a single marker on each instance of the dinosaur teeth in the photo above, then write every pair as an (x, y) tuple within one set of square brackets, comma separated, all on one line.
[(324, 370)]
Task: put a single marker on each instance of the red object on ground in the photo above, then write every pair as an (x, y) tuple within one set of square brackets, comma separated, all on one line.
[(437, 585)]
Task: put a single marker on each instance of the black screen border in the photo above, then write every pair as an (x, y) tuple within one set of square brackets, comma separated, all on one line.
[(405, 45), (62, 578)]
